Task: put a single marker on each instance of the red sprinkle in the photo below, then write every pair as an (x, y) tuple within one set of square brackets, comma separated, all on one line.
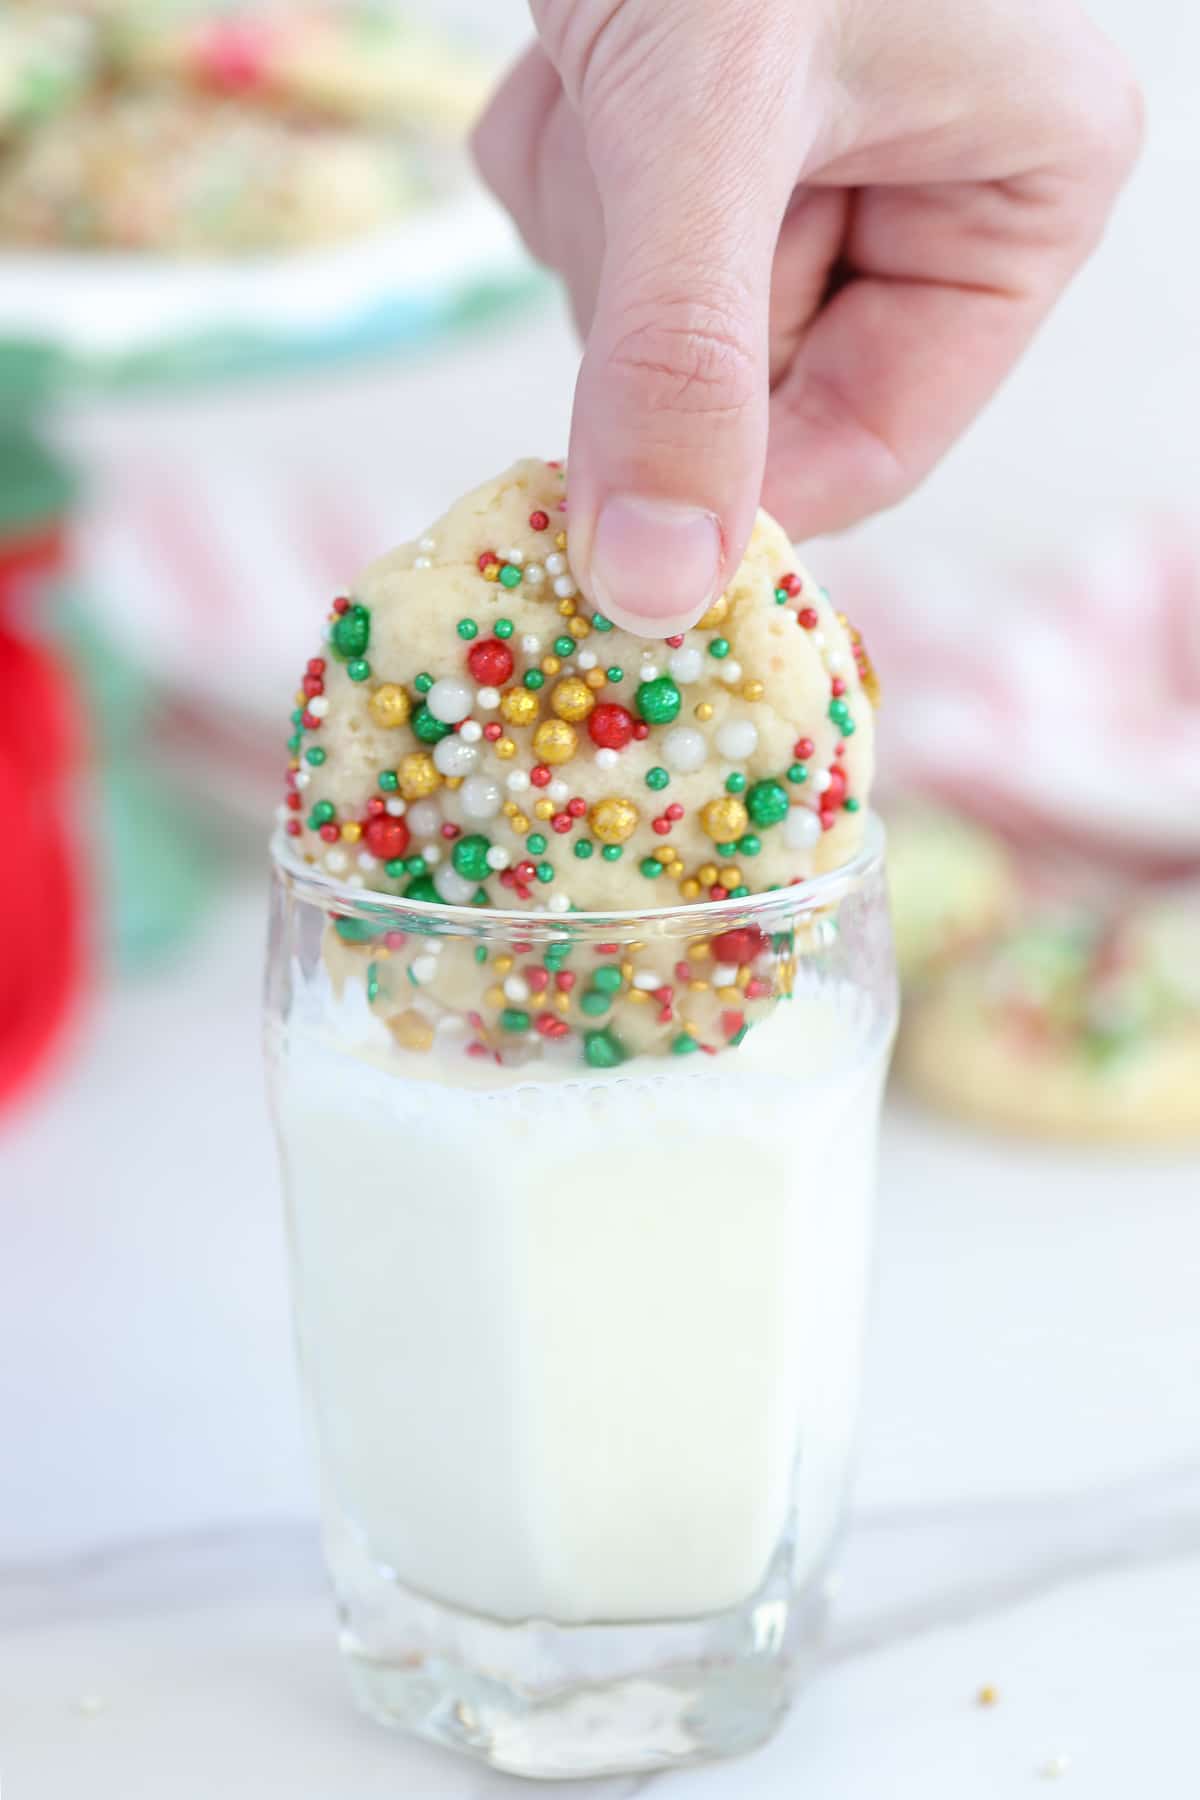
[(835, 793), (674, 812), (311, 722), (312, 685), (577, 806), (315, 665), (493, 731), (540, 776), (837, 687), (662, 826), (641, 730), (293, 828), (791, 584), (375, 806), (539, 520), (561, 822), (525, 871), (732, 1022), (293, 800), (564, 981), (484, 558), (757, 990), (611, 726), (809, 617), (675, 642), (490, 662), (386, 837), (803, 748), (538, 979), (683, 971), (717, 892), (395, 940), (739, 946), (451, 831), (341, 604), (331, 832)]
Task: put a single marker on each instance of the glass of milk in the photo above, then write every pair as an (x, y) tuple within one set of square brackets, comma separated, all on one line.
[(580, 1216)]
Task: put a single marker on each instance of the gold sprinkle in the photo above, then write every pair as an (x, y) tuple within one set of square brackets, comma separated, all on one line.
[(724, 819), (731, 876), (715, 613), (627, 971), (563, 1002), (704, 712), (504, 748), (638, 996), (560, 540), (675, 870), (698, 987), (595, 678), (537, 1000), (502, 964), (300, 698), (491, 571), (690, 889), (454, 781), (550, 665), (753, 690), (418, 775), (519, 705), (510, 807), (613, 820), (520, 822), (698, 952), (987, 1695), (495, 997), (389, 706), (351, 831), (555, 741), (727, 993), (544, 809), (567, 608), (580, 628), (572, 699), (742, 978), (411, 1030), (664, 856)]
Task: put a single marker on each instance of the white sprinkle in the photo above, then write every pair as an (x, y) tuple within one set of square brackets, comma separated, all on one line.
[(487, 699), (556, 563), (454, 888), (424, 816), (731, 672), (449, 700), (531, 645), (436, 946), (534, 575), (822, 780), (335, 861), (650, 671), (451, 756), (559, 903), (647, 980), (498, 858), (607, 759), (516, 989), (724, 975), (558, 791), (686, 664), (427, 544), (1055, 1766), (422, 562), (817, 639), (801, 829), (367, 862), (282, 814), (564, 587), (517, 782), (737, 739), (423, 968), (302, 779), (395, 808), (480, 797), (516, 557), (835, 662), (588, 660), (318, 706), (470, 731), (90, 1704), (684, 749), (432, 854), (354, 881)]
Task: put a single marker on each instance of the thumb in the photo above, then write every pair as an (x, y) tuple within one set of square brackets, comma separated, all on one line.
[(669, 432)]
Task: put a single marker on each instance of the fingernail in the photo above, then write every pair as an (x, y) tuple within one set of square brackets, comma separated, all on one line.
[(655, 564)]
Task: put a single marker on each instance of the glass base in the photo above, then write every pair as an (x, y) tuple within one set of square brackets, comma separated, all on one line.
[(553, 1701)]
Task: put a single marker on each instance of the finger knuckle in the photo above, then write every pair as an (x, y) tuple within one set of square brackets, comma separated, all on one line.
[(688, 358)]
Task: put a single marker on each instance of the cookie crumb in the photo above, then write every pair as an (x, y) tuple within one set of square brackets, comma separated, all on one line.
[(987, 1695), (1055, 1766)]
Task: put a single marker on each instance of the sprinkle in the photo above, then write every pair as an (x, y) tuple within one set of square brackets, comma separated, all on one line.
[(503, 628), (657, 778), (467, 628), (719, 647)]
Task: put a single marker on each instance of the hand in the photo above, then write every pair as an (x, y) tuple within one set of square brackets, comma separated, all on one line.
[(805, 241)]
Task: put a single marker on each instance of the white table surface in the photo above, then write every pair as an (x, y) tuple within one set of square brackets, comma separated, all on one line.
[(1027, 1510)]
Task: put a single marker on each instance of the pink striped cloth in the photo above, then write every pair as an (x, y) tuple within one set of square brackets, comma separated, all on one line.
[(1060, 706)]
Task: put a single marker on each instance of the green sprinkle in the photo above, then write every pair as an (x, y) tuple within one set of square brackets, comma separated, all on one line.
[(603, 1050), (607, 979), (727, 850), (848, 728), (354, 931), (514, 1019), (781, 596), (510, 576), (657, 778), (294, 742), (423, 683), (397, 867), (545, 871), (564, 646), (470, 857), (737, 1037), (650, 868), (739, 892), (595, 1003), (372, 984), (612, 852), (481, 953), (584, 848), (426, 727), (535, 843), (767, 802), (468, 629), (315, 756), (851, 805), (298, 716), (749, 845), (422, 889), (321, 814), (838, 711), (601, 623), (389, 781), (719, 647), (415, 864), (351, 633), (534, 679), (503, 628), (658, 701), (683, 1045), (735, 783), (798, 773), (358, 670), (614, 674)]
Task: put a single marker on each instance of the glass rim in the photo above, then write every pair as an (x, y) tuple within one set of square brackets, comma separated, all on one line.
[(815, 893)]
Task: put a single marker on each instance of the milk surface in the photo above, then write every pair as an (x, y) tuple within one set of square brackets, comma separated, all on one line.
[(579, 1342)]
